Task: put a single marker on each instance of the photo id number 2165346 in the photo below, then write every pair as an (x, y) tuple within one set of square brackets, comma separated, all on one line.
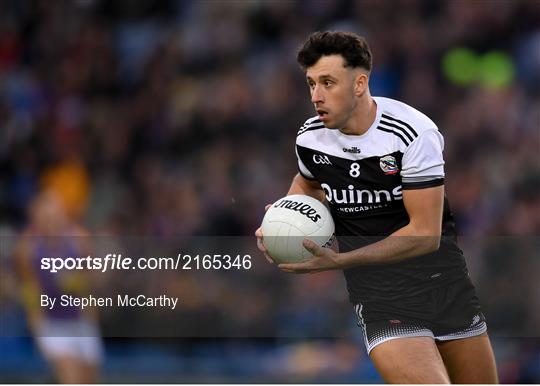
[(215, 262)]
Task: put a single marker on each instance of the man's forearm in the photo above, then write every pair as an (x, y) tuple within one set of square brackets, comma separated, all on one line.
[(399, 246)]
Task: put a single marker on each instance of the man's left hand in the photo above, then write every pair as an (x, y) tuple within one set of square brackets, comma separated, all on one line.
[(323, 259)]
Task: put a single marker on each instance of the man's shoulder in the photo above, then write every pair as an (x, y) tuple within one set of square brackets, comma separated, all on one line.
[(397, 113)]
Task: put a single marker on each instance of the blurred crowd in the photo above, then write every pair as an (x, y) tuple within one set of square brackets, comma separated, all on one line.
[(179, 117)]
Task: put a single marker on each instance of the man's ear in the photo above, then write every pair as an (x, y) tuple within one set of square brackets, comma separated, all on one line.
[(360, 83)]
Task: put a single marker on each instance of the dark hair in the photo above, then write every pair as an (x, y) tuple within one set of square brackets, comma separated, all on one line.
[(352, 47)]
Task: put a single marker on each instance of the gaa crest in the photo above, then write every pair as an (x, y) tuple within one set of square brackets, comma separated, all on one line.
[(388, 164)]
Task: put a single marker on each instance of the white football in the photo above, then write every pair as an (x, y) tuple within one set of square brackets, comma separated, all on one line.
[(290, 220)]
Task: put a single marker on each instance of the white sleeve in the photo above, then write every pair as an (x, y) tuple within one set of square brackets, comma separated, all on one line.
[(304, 171), (422, 164)]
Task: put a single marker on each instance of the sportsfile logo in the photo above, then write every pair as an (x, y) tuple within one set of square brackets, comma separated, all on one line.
[(301, 207)]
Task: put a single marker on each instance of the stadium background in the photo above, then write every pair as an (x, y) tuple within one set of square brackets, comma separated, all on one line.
[(179, 117)]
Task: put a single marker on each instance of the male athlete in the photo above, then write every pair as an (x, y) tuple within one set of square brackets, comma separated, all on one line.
[(378, 163)]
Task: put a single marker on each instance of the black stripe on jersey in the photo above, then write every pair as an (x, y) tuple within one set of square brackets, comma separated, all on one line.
[(403, 130), (397, 134), (316, 124), (403, 123), (422, 184)]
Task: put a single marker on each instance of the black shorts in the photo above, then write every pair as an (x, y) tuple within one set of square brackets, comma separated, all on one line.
[(445, 313)]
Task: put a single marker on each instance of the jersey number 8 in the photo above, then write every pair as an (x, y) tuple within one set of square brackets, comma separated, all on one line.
[(355, 170)]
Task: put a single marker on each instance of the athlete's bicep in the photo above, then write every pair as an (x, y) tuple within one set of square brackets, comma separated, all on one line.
[(425, 209)]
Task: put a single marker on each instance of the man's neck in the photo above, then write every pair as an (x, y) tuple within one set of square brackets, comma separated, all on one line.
[(363, 117)]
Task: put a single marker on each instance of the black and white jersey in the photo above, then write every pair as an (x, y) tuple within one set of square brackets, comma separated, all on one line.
[(363, 177)]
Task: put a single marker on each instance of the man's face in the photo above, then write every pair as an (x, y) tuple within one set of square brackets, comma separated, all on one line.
[(331, 85)]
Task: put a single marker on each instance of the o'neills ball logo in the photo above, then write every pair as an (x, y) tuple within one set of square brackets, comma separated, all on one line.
[(301, 207)]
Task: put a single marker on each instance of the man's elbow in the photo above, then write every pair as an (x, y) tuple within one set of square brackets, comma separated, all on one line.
[(429, 243), (432, 243), (429, 240)]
